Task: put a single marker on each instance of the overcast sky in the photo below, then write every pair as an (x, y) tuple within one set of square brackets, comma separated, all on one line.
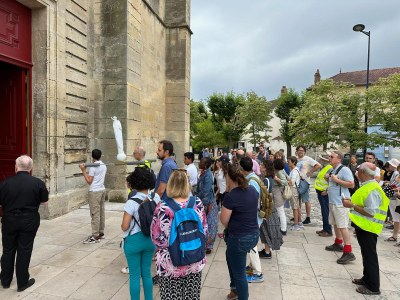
[(261, 45)]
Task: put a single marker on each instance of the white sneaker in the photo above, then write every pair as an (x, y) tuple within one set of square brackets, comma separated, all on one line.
[(125, 270), (91, 240), (295, 227)]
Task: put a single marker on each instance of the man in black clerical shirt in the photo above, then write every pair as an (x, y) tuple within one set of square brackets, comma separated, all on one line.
[(20, 197)]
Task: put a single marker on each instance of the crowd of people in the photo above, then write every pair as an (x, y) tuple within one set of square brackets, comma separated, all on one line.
[(173, 218)]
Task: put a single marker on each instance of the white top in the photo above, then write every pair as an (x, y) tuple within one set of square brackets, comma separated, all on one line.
[(377, 172), (295, 176), (98, 174), (221, 182), (132, 208), (192, 172), (305, 165)]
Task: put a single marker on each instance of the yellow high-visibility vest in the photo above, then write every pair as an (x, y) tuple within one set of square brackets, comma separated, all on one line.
[(320, 183), (374, 224)]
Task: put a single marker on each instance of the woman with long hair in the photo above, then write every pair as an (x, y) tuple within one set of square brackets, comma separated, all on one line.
[(239, 216), (294, 182), (219, 174), (176, 282), (270, 229), (280, 181), (138, 248), (205, 191)]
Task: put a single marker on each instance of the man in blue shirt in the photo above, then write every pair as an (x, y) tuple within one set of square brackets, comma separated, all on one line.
[(164, 152), (340, 179)]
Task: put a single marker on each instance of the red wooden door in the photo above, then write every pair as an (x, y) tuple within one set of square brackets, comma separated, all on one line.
[(13, 119), (15, 96)]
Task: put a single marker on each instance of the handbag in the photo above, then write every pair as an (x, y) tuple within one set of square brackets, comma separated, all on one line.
[(287, 192), (303, 186)]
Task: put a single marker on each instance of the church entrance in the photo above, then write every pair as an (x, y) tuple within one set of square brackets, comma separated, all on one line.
[(15, 93)]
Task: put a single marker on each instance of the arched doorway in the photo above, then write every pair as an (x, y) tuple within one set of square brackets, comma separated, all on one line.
[(15, 91)]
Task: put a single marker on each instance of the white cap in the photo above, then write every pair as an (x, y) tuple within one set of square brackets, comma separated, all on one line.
[(394, 162)]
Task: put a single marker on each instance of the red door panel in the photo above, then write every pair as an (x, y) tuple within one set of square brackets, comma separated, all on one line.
[(12, 117)]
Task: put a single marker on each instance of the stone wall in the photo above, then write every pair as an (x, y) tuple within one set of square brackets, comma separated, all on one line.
[(98, 59)]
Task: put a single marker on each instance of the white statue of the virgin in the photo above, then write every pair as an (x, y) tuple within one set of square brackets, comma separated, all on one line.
[(118, 138)]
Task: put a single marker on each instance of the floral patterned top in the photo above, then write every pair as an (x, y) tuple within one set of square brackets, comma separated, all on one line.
[(160, 231)]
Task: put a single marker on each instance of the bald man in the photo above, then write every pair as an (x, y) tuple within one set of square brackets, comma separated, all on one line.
[(256, 166), (20, 196), (368, 208)]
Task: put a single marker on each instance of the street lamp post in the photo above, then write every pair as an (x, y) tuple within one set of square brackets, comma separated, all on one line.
[(360, 28)]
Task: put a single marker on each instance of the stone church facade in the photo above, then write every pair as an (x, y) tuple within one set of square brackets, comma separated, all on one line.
[(77, 63)]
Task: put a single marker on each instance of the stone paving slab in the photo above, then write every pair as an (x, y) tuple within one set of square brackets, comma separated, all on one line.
[(65, 268)]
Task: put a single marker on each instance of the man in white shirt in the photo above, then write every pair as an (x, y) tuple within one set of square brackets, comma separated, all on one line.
[(307, 166), (191, 169), (97, 195)]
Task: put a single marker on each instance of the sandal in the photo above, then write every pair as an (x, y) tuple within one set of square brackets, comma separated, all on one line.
[(391, 239), (365, 291), (358, 281)]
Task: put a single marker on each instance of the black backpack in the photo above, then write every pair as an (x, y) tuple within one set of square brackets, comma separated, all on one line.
[(146, 211)]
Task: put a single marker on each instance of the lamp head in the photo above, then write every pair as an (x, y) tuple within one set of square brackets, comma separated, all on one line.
[(359, 27)]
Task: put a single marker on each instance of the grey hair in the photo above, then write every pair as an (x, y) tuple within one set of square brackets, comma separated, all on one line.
[(367, 170), (141, 150), (339, 154), (24, 163)]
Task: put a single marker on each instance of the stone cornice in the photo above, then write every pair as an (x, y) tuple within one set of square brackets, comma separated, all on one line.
[(184, 26)]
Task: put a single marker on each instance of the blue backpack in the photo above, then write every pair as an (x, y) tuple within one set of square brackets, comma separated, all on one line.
[(187, 241)]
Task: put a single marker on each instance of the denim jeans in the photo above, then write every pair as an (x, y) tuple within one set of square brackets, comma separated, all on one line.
[(236, 251), (324, 203)]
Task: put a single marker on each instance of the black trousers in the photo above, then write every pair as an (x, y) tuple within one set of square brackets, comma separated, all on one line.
[(18, 233), (367, 241)]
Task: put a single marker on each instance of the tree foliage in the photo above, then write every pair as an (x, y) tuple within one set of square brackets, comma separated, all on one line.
[(223, 114), (207, 136), (253, 117), (198, 113), (384, 108), (312, 123), (287, 103), (334, 113)]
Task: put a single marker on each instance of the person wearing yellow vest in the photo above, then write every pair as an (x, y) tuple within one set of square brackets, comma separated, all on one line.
[(368, 208), (321, 187)]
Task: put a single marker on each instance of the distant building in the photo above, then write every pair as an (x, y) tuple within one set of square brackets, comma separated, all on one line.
[(359, 79)]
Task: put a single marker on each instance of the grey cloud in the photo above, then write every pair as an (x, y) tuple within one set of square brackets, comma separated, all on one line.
[(262, 45)]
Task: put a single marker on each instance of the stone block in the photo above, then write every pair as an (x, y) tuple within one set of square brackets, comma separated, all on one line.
[(76, 77), (76, 36), (76, 63), (117, 196), (75, 156), (74, 129), (78, 8), (76, 23), (116, 92)]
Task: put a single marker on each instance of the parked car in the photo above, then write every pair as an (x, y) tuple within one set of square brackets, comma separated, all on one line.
[(346, 158)]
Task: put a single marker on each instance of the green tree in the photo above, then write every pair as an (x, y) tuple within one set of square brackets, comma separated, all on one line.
[(198, 113), (223, 115), (253, 116), (287, 103), (207, 136), (312, 123), (384, 109)]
